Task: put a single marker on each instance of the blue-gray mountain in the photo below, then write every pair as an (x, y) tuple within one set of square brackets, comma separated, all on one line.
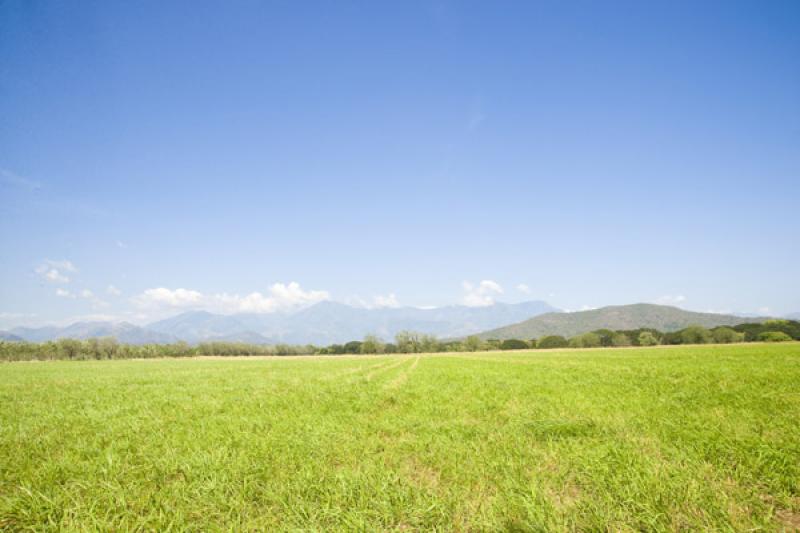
[(122, 331), (322, 324), (330, 322), (6, 336)]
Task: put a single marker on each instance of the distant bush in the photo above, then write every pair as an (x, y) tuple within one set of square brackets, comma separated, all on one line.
[(472, 343), (646, 338), (725, 335), (587, 340), (353, 347), (493, 344), (606, 336), (695, 335), (514, 344), (753, 330), (372, 344), (552, 341), (774, 336), (620, 339)]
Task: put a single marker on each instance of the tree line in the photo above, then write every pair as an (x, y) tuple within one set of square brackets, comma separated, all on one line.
[(404, 342)]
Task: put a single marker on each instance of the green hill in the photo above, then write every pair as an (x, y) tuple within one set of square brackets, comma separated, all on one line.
[(615, 317)]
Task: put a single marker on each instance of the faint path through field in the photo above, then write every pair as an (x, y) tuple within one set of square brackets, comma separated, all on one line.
[(357, 370), (403, 376)]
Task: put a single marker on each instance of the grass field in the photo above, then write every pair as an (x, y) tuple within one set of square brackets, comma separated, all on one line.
[(698, 437)]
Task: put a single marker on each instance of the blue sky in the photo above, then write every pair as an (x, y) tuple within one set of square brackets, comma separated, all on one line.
[(262, 155)]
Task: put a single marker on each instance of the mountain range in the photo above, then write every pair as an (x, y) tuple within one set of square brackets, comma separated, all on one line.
[(616, 317), (331, 322), (321, 324), (124, 332)]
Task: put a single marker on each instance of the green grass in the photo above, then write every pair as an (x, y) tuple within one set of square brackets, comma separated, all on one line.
[(692, 438)]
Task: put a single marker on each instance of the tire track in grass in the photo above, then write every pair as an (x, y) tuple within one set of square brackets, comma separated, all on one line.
[(350, 371), (400, 380), (383, 369)]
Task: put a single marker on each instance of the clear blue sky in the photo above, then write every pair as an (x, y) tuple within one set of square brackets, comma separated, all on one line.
[(596, 152)]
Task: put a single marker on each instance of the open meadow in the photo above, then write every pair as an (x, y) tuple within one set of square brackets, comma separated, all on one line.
[(664, 438)]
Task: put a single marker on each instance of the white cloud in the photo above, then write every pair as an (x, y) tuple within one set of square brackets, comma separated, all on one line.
[(163, 297), (54, 276), (390, 300), (670, 299), (523, 288), (113, 291), (763, 310), (53, 271), (279, 297), (64, 293), (86, 293), (121, 244), (481, 295)]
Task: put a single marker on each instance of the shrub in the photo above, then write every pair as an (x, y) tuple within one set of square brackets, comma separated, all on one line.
[(774, 336), (513, 344), (606, 336), (472, 343), (552, 341), (372, 344), (646, 338), (695, 335), (587, 340), (725, 335), (353, 347), (620, 339)]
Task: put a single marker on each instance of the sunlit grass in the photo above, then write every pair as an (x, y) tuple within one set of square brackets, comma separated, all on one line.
[(693, 437)]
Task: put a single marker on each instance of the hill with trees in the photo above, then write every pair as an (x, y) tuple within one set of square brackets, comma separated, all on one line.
[(616, 317)]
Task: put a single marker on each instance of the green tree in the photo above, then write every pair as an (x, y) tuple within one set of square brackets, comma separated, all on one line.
[(646, 338), (390, 348), (407, 342), (620, 339), (93, 347), (774, 336), (587, 340), (695, 335), (725, 335), (107, 347), (472, 343), (372, 344), (71, 348), (428, 344), (606, 337), (514, 344), (352, 347), (552, 341)]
